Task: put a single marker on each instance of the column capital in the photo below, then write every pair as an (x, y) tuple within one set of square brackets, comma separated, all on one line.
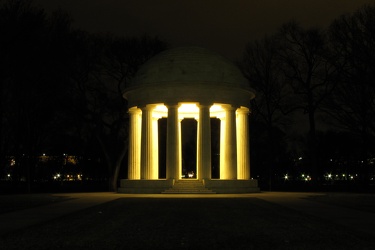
[(228, 107), (204, 104), (148, 107), (172, 105), (134, 110), (243, 110)]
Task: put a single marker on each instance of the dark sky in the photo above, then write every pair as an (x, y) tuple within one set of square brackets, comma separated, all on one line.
[(224, 26)]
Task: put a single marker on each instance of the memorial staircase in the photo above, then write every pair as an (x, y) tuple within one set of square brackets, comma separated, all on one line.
[(188, 187)]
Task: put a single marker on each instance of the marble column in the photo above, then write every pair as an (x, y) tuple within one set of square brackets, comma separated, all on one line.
[(179, 149), (204, 143), (228, 145), (222, 166), (155, 148), (148, 157), (173, 143), (243, 144), (134, 156)]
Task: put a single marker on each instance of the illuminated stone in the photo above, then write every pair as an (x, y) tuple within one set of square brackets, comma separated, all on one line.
[(204, 143), (173, 141), (134, 155), (228, 165), (243, 144), (188, 82)]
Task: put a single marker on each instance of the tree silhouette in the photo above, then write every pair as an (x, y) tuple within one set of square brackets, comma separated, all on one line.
[(353, 103), (261, 66), (32, 58), (105, 67), (306, 62)]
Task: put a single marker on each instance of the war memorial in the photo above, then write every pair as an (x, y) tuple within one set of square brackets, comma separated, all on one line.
[(188, 83)]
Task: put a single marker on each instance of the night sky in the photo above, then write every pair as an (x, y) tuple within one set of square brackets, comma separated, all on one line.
[(224, 26)]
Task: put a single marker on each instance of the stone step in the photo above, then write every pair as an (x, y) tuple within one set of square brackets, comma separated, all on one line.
[(187, 192), (188, 187), (181, 191)]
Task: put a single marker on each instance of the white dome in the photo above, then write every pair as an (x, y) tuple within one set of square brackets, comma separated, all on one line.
[(188, 74), (189, 65)]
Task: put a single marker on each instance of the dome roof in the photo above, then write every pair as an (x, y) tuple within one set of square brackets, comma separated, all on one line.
[(188, 74), (187, 65)]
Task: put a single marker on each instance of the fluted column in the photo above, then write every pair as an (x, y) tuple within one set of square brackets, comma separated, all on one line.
[(222, 148), (134, 156), (173, 141), (204, 143), (147, 143), (155, 148), (243, 144), (228, 145), (179, 149)]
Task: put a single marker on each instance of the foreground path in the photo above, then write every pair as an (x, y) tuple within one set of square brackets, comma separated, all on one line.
[(27, 217), (352, 217)]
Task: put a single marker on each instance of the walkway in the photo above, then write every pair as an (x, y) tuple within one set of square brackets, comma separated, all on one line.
[(350, 217)]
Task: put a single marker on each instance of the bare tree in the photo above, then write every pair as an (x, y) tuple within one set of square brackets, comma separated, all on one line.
[(105, 71), (353, 103), (261, 66), (306, 64), (32, 56)]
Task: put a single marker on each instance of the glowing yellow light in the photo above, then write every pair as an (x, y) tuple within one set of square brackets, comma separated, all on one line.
[(216, 108), (161, 108), (160, 111), (217, 111), (188, 108)]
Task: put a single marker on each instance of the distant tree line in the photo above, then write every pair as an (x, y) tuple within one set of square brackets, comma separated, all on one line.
[(61, 92), (61, 89), (324, 77)]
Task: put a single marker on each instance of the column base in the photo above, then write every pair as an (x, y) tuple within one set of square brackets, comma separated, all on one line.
[(217, 186)]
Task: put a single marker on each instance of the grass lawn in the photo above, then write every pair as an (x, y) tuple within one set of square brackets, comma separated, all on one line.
[(155, 223)]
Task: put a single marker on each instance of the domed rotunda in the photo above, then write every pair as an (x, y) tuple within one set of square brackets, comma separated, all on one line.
[(197, 84)]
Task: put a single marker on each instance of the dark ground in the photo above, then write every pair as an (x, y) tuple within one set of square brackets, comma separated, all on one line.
[(216, 222)]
